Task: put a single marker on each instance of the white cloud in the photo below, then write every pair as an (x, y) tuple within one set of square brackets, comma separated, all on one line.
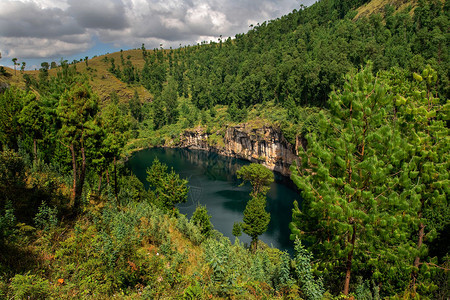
[(42, 28), (40, 47)]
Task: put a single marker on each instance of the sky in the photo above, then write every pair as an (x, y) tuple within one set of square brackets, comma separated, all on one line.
[(34, 31)]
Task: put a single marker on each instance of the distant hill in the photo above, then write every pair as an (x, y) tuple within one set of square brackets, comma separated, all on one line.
[(101, 80), (296, 59)]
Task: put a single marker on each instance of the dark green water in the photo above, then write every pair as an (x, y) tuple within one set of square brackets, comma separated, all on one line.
[(213, 183)]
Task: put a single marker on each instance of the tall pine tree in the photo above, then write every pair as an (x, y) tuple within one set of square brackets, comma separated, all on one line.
[(355, 217)]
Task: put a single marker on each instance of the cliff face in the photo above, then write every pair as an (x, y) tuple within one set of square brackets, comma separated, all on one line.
[(264, 145)]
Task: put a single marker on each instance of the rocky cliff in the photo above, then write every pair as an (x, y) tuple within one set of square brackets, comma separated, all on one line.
[(264, 145)]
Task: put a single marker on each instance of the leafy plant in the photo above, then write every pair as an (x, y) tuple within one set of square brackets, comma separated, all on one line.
[(46, 217), (193, 292), (30, 286), (201, 218), (311, 288)]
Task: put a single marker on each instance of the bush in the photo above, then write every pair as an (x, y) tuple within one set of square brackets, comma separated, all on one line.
[(7, 223), (193, 292), (46, 217), (201, 218), (189, 230), (30, 287), (312, 288)]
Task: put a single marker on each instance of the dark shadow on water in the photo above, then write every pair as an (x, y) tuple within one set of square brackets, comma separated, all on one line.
[(236, 206), (238, 196)]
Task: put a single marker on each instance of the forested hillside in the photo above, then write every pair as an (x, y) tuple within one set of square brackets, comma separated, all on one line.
[(364, 85)]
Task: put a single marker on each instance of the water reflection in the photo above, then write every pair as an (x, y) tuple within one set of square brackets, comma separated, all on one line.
[(213, 183)]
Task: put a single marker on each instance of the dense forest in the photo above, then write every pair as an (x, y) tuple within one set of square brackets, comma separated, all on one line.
[(367, 94)]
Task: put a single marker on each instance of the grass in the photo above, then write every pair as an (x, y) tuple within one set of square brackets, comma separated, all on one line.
[(102, 81), (377, 7)]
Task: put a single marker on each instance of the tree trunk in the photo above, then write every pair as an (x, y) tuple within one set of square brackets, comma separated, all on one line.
[(82, 175), (35, 149), (417, 258), (100, 183), (74, 167), (115, 178), (254, 245), (349, 263), (107, 176)]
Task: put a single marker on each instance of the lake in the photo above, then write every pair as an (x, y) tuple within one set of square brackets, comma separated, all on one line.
[(213, 183)]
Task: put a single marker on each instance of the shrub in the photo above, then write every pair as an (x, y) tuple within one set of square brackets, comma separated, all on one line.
[(7, 222), (193, 292), (46, 217), (201, 218), (30, 286), (190, 230), (312, 288)]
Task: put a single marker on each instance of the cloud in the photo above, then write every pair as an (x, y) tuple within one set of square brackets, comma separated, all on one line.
[(39, 28), (102, 14), (41, 47), (19, 19)]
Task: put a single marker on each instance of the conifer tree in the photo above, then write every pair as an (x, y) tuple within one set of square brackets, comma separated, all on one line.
[(77, 110), (170, 97), (32, 119), (259, 177), (115, 126), (169, 188), (356, 219), (422, 118), (256, 219), (201, 218)]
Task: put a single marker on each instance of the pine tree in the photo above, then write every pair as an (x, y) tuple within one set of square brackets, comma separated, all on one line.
[(256, 219), (77, 110), (32, 120), (201, 218), (422, 118), (259, 177), (169, 188), (115, 127), (355, 217), (169, 96)]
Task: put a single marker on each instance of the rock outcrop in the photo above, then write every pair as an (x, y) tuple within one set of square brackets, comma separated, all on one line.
[(264, 145)]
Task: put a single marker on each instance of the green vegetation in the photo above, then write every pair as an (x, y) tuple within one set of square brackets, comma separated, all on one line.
[(168, 188), (365, 186), (256, 218), (259, 177), (374, 172)]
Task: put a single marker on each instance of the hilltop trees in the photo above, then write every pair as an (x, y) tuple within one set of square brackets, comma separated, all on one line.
[(14, 60)]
